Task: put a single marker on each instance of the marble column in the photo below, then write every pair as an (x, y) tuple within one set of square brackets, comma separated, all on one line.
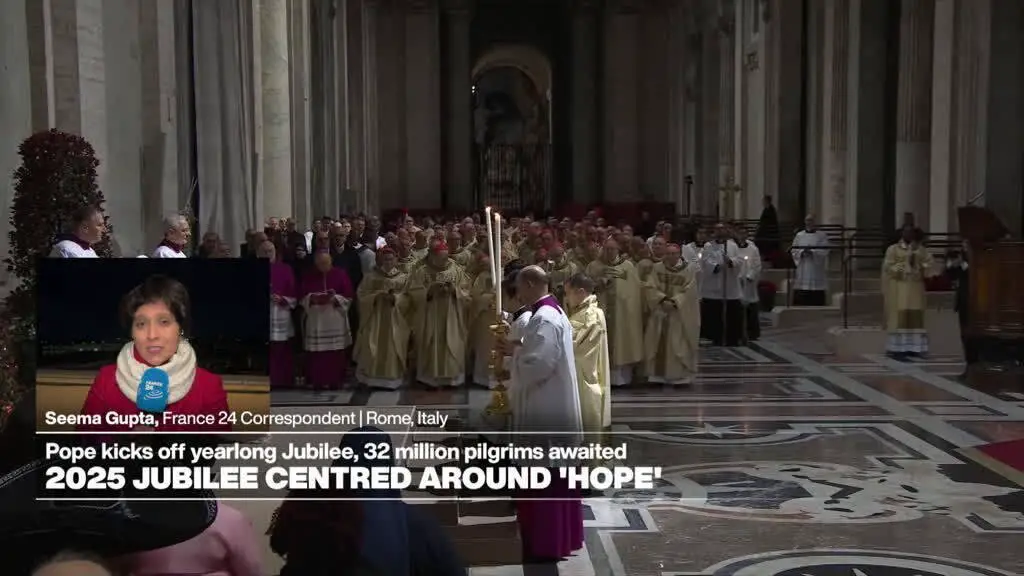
[(584, 79), (710, 106), (164, 185), (355, 142), (914, 109), (371, 168), (678, 97), (277, 130), (971, 98), (621, 158), (459, 104), (1004, 169), (834, 111), (391, 101), (653, 102), (299, 111), (940, 181), (423, 104), (729, 197), (813, 85), (784, 32)]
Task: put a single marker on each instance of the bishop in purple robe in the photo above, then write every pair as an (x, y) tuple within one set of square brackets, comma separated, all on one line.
[(327, 294)]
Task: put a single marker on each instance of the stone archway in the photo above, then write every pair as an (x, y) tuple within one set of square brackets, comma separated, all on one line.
[(527, 59), (512, 127)]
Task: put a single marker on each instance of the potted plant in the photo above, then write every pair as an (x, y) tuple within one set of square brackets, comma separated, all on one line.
[(57, 176), (766, 294)]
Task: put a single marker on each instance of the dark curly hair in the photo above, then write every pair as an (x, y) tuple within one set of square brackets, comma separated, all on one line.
[(158, 288)]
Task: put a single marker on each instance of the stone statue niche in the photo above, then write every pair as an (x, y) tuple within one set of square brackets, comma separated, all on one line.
[(511, 133)]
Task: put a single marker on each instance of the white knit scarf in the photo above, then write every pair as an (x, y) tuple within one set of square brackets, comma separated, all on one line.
[(181, 370)]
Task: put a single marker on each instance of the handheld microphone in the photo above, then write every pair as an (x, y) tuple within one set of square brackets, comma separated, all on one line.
[(153, 390)]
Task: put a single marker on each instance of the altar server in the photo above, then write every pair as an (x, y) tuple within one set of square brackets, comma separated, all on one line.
[(810, 253), (750, 275), (87, 228), (721, 308), (176, 234)]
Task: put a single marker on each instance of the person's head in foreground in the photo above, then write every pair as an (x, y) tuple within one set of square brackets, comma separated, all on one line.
[(532, 284), (578, 287), (41, 537), (374, 533)]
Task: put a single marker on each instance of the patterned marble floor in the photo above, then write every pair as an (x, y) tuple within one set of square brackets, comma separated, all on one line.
[(782, 463)]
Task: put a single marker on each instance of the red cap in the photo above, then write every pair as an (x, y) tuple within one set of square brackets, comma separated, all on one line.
[(386, 250), (675, 246), (439, 247)]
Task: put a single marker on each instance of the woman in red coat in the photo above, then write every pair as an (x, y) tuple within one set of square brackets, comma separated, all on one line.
[(158, 313)]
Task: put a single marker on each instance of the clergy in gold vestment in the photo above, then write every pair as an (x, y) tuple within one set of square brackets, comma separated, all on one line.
[(906, 265), (619, 292), (481, 316), (383, 342), (439, 290), (458, 252), (673, 326), (560, 269), (590, 346)]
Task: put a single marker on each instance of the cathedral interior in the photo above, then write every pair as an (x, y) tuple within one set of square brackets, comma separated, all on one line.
[(807, 453)]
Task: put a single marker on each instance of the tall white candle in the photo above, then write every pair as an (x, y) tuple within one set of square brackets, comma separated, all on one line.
[(497, 261), (490, 240)]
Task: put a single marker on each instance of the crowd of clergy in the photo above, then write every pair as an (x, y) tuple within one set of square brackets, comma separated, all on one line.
[(418, 303), (414, 300)]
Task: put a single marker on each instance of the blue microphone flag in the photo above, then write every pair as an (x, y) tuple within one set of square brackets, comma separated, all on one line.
[(153, 389)]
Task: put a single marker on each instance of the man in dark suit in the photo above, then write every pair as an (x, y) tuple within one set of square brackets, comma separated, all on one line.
[(958, 271)]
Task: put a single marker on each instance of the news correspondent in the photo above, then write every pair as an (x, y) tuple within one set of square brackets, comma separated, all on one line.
[(155, 382)]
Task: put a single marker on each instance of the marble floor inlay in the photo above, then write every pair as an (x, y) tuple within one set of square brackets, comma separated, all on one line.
[(780, 462)]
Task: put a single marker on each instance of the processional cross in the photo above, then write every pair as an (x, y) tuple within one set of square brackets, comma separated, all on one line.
[(729, 194)]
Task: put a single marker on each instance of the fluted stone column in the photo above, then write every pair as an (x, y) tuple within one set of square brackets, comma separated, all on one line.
[(277, 130), (621, 158), (973, 55), (371, 170), (299, 101), (710, 105), (584, 74), (162, 187), (677, 92), (914, 109), (1005, 148), (729, 198), (459, 101), (834, 111), (350, 33), (423, 104)]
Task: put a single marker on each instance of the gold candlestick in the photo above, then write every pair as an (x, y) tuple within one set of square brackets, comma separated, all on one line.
[(499, 405)]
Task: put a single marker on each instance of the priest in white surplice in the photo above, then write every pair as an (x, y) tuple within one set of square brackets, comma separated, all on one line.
[(810, 253), (87, 228), (176, 234), (546, 399)]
